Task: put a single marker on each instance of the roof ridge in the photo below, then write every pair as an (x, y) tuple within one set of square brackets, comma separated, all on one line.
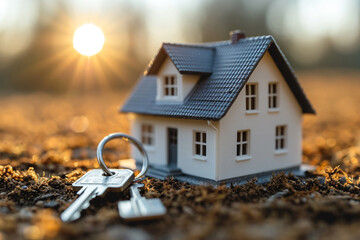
[(211, 45), (258, 37), (217, 42), (224, 69), (195, 45)]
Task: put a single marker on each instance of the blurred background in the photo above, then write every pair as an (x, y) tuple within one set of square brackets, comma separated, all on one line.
[(60, 94), (36, 37)]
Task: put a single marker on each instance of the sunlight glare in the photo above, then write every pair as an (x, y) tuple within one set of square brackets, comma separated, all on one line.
[(88, 39)]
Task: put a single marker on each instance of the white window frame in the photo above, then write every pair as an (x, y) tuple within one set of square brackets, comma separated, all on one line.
[(281, 139), (147, 135), (251, 99), (273, 97), (202, 143), (240, 143), (169, 86)]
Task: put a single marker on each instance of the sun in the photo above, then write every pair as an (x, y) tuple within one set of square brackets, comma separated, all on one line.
[(88, 39)]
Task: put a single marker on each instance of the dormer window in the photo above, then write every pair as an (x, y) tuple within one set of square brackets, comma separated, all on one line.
[(171, 88)]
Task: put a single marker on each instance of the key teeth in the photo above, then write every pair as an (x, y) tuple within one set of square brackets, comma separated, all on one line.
[(73, 217), (76, 215), (92, 185), (99, 191), (85, 205), (73, 212), (80, 191)]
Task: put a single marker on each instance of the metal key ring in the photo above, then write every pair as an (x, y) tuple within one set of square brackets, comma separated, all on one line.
[(127, 138)]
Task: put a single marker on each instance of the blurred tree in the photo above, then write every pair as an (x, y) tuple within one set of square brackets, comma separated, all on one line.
[(215, 19), (218, 19), (51, 64)]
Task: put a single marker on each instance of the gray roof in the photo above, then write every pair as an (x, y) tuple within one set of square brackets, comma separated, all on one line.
[(224, 69), (188, 59)]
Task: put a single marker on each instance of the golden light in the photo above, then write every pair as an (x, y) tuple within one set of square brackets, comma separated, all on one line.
[(88, 39), (101, 71)]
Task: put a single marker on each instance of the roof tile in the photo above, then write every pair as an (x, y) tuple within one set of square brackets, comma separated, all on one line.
[(229, 67)]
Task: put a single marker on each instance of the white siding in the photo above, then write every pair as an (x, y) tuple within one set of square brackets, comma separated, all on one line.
[(189, 82), (186, 162), (262, 127), (221, 160)]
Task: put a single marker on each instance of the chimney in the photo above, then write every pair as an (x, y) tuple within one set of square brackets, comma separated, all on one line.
[(236, 35)]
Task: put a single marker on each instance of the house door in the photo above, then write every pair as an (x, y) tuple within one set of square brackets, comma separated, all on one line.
[(172, 147)]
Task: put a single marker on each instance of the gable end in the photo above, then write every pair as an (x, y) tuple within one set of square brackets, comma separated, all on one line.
[(223, 75), (290, 77)]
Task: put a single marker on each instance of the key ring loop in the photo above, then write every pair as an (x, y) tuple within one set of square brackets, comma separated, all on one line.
[(127, 138)]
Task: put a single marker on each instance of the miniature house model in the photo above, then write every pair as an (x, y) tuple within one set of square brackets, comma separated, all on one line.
[(219, 110)]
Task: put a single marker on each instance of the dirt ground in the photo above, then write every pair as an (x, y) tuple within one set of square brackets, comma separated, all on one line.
[(47, 142)]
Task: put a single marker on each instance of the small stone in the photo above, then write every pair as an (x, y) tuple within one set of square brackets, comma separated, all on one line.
[(25, 214), (4, 210), (51, 204), (321, 180), (188, 210), (126, 233), (315, 195), (342, 180), (46, 196)]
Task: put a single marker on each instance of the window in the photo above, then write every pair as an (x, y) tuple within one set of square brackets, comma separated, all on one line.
[(200, 144), (242, 143), (170, 86), (251, 95), (280, 138), (147, 134), (273, 96)]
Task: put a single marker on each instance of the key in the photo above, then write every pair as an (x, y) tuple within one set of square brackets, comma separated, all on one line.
[(95, 183), (139, 208)]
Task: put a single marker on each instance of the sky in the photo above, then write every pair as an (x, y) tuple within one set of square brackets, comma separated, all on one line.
[(308, 23), (307, 31), (304, 23)]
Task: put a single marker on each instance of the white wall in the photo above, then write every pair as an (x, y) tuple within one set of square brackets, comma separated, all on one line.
[(186, 162), (185, 82), (262, 127)]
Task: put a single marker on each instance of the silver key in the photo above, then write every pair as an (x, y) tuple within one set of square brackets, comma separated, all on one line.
[(95, 183), (140, 208)]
